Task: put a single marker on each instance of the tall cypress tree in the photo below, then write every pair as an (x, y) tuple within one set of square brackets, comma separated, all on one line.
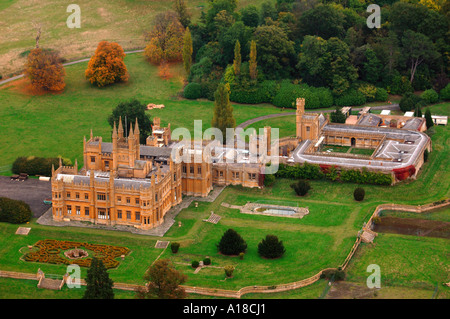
[(237, 58), (98, 283), (223, 111), (252, 62), (187, 51)]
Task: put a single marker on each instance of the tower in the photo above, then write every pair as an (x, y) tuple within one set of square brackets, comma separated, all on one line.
[(299, 116)]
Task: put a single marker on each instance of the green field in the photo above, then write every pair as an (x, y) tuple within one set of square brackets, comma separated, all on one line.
[(54, 124), (122, 21)]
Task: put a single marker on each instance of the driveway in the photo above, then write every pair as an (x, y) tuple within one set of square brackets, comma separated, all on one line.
[(32, 191)]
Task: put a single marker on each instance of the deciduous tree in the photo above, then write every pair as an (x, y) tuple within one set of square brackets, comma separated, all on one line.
[(165, 39), (45, 70), (163, 282), (107, 65), (187, 51)]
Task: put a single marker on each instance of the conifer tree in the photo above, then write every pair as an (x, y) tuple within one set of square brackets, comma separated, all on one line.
[(99, 285), (223, 111), (271, 247), (187, 51), (252, 61), (428, 118), (231, 243), (237, 58)]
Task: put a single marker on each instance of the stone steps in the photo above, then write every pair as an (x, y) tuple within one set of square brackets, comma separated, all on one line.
[(47, 283)]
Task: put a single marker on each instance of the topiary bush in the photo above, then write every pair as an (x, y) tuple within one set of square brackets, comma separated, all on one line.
[(359, 194), (430, 96), (228, 270), (207, 261), (193, 91), (195, 264), (14, 211), (231, 243), (271, 247), (174, 247), (301, 188)]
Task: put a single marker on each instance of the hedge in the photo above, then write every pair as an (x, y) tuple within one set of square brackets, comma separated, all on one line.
[(430, 96), (314, 97), (14, 211), (317, 172), (36, 165), (351, 97), (445, 93), (261, 93)]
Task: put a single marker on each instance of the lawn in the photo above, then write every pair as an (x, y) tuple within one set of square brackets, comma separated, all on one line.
[(54, 124)]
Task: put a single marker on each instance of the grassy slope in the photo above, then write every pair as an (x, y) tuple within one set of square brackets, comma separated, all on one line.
[(54, 124), (122, 21)]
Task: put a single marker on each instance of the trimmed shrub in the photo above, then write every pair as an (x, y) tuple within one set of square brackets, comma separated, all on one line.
[(369, 91), (14, 211), (207, 261), (359, 194), (301, 188), (231, 243), (228, 270), (314, 97), (271, 247), (195, 264), (351, 97), (192, 91), (430, 96), (174, 247)]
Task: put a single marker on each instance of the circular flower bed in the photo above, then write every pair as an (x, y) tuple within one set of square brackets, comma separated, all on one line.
[(49, 252)]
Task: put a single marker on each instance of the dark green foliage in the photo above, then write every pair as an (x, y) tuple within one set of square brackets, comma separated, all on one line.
[(381, 95), (14, 211), (231, 243), (254, 94), (351, 97), (314, 172), (428, 119), (337, 116), (271, 247), (445, 93), (301, 188), (430, 96), (269, 180), (35, 165), (399, 85), (195, 264), (98, 283), (359, 194), (174, 247), (207, 261), (193, 91), (409, 102), (425, 155), (314, 97), (132, 110)]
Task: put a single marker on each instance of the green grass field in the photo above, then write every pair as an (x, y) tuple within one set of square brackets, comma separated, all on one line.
[(122, 21)]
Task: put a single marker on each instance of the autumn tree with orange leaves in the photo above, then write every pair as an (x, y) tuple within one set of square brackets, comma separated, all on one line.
[(45, 70), (165, 39), (106, 66)]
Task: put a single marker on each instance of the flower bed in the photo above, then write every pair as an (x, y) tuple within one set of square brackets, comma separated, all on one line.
[(50, 252)]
